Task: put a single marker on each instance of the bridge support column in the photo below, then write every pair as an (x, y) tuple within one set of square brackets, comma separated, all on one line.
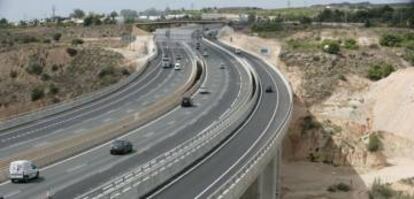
[(268, 180), (267, 185)]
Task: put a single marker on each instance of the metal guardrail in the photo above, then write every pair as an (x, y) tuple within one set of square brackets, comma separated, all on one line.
[(20, 119), (235, 186), (155, 172)]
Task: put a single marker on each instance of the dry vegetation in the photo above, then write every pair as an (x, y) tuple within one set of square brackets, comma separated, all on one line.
[(336, 75), (44, 65)]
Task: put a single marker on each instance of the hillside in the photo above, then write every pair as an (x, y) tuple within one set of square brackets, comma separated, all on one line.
[(40, 66), (341, 107)]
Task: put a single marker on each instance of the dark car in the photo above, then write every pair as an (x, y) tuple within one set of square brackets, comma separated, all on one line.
[(186, 102), (269, 89), (121, 147)]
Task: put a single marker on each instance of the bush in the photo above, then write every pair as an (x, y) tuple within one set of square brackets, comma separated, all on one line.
[(34, 68), (339, 187), (72, 52), (57, 36), (390, 40), (53, 89), (77, 42), (330, 46), (108, 70), (47, 41), (374, 143), (55, 67), (45, 77), (377, 72), (125, 72), (13, 74), (380, 191), (27, 39), (351, 44), (37, 93)]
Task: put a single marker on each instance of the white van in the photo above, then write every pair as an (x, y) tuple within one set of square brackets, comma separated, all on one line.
[(23, 170), (177, 66)]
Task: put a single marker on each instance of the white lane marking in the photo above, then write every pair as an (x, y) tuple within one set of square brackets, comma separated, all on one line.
[(147, 135), (9, 195), (40, 144), (75, 168), (79, 131), (108, 119)]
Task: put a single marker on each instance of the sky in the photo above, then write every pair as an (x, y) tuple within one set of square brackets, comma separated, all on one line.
[(15, 10)]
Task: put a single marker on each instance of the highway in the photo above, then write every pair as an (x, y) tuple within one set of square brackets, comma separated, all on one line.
[(229, 125), (153, 84), (210, 173), (87, 171)]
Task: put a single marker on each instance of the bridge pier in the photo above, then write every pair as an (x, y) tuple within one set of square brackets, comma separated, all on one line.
[(267, 185)]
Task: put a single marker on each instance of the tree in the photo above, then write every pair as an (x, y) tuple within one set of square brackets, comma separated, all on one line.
[(57, 36), (78, 13), (251, 18), (3, 22), (113, 15), (305, 20), (374, 143), (127, 13)]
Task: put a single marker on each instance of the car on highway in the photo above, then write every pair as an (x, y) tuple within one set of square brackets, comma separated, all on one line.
[(186, 102), (237, 51), (23, 170), (222, 66), (120, 147), (177, 66), (198, 45), (269, 89), (203, 90), (205, 53), (178, 58), (166, 62)]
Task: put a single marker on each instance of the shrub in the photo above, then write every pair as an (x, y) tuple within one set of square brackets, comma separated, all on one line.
[(379, 190), (57, 36), (34, 68), (55, 67), (390, 40), (13, 74), (108, 70), (37, 93), (27, 39), (339, 187), (377, 72), (72, 52), (374, 143), (330, 46), (53, 89), (45, 77), (351, 44), (77, 42), (125, 72), (46, 41)]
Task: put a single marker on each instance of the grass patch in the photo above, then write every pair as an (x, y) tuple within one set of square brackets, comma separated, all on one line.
[(379, 71)]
